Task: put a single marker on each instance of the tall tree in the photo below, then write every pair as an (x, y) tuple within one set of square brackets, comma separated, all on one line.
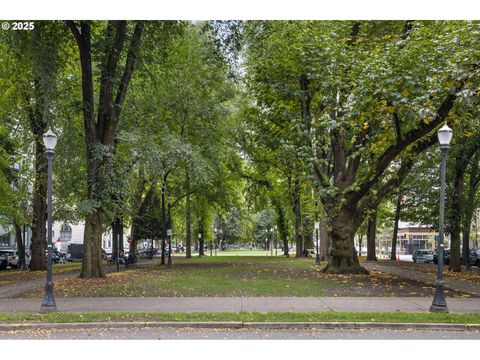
[(100, 130), (372, 75)]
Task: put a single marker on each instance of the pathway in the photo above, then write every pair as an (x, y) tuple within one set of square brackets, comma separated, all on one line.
[(239, 304)]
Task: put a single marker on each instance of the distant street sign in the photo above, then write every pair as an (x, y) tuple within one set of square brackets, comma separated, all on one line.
[(317, 225), (169, 232), (437, 237)]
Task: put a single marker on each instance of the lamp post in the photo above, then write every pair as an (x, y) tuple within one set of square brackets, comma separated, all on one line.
[(169, 233), (439, 305), (317, 227), (48, 304)]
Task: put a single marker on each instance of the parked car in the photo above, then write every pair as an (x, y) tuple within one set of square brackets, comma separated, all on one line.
[(425, 256), (13, 257), (106, 255), (446, 257), (75, 252), (57, 257), (148, 252), (3, 262), (474, 257)]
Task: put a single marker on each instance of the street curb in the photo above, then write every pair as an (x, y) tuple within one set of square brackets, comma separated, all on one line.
[(246, 325)]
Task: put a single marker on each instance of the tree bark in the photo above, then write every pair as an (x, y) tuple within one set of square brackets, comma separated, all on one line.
[(325, 240), (298, 219), (188, 222), (92, 266), (398, 209), (39, 230), (456, 209), (469, 208), (282, 225), (343, 256), (372, 236), (19, 243)]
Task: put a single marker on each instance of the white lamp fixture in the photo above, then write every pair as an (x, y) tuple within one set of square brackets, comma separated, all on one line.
[(50, 140), (445, 136)]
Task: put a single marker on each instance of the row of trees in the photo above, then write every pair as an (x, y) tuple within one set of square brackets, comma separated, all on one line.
[(217, 121)]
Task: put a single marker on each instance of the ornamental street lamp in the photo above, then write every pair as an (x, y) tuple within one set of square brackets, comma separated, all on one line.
[(48, 304), (169, 233), (439, 305), (286, 250), (317, 227)]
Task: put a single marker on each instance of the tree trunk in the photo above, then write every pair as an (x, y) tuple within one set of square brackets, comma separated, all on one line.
[(360, 238), (343, 256), (298, 219), (117, 236), (164, 229), (282, 226), (398, 209), (188, 222), (455, 218), (39, 230), (325, 239), (469, 208), (372, 236), (20, 247), (92, 266)]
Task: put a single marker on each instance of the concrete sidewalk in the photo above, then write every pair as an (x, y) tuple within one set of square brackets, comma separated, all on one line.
[(238, 304)]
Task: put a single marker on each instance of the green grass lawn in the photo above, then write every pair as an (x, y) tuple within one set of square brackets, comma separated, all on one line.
[(59, 317), (230, 276), (206, 276)]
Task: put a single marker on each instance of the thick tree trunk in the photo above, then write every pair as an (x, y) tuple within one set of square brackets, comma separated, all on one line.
[(343, 256), (298, 219), (469, 208), (325, 239), (19, 243), (308, 228), (398, 209), (455, 218), (92, 266), (282, 226), (372, 236), (39, 230), (188, 216)]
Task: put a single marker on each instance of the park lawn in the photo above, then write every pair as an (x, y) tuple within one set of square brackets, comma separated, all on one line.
[(206, 276), (12, 276), (397, 317), (222, 276)]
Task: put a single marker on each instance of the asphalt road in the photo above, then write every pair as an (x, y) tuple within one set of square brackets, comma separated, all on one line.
[(235, 334)]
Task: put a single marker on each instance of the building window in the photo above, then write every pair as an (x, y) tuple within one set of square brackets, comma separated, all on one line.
[(65, 233)]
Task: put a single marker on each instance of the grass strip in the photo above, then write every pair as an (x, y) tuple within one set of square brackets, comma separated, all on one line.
[(397, 317)]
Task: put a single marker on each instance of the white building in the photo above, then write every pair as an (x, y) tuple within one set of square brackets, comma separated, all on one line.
[(65, 234), (62, 235)]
